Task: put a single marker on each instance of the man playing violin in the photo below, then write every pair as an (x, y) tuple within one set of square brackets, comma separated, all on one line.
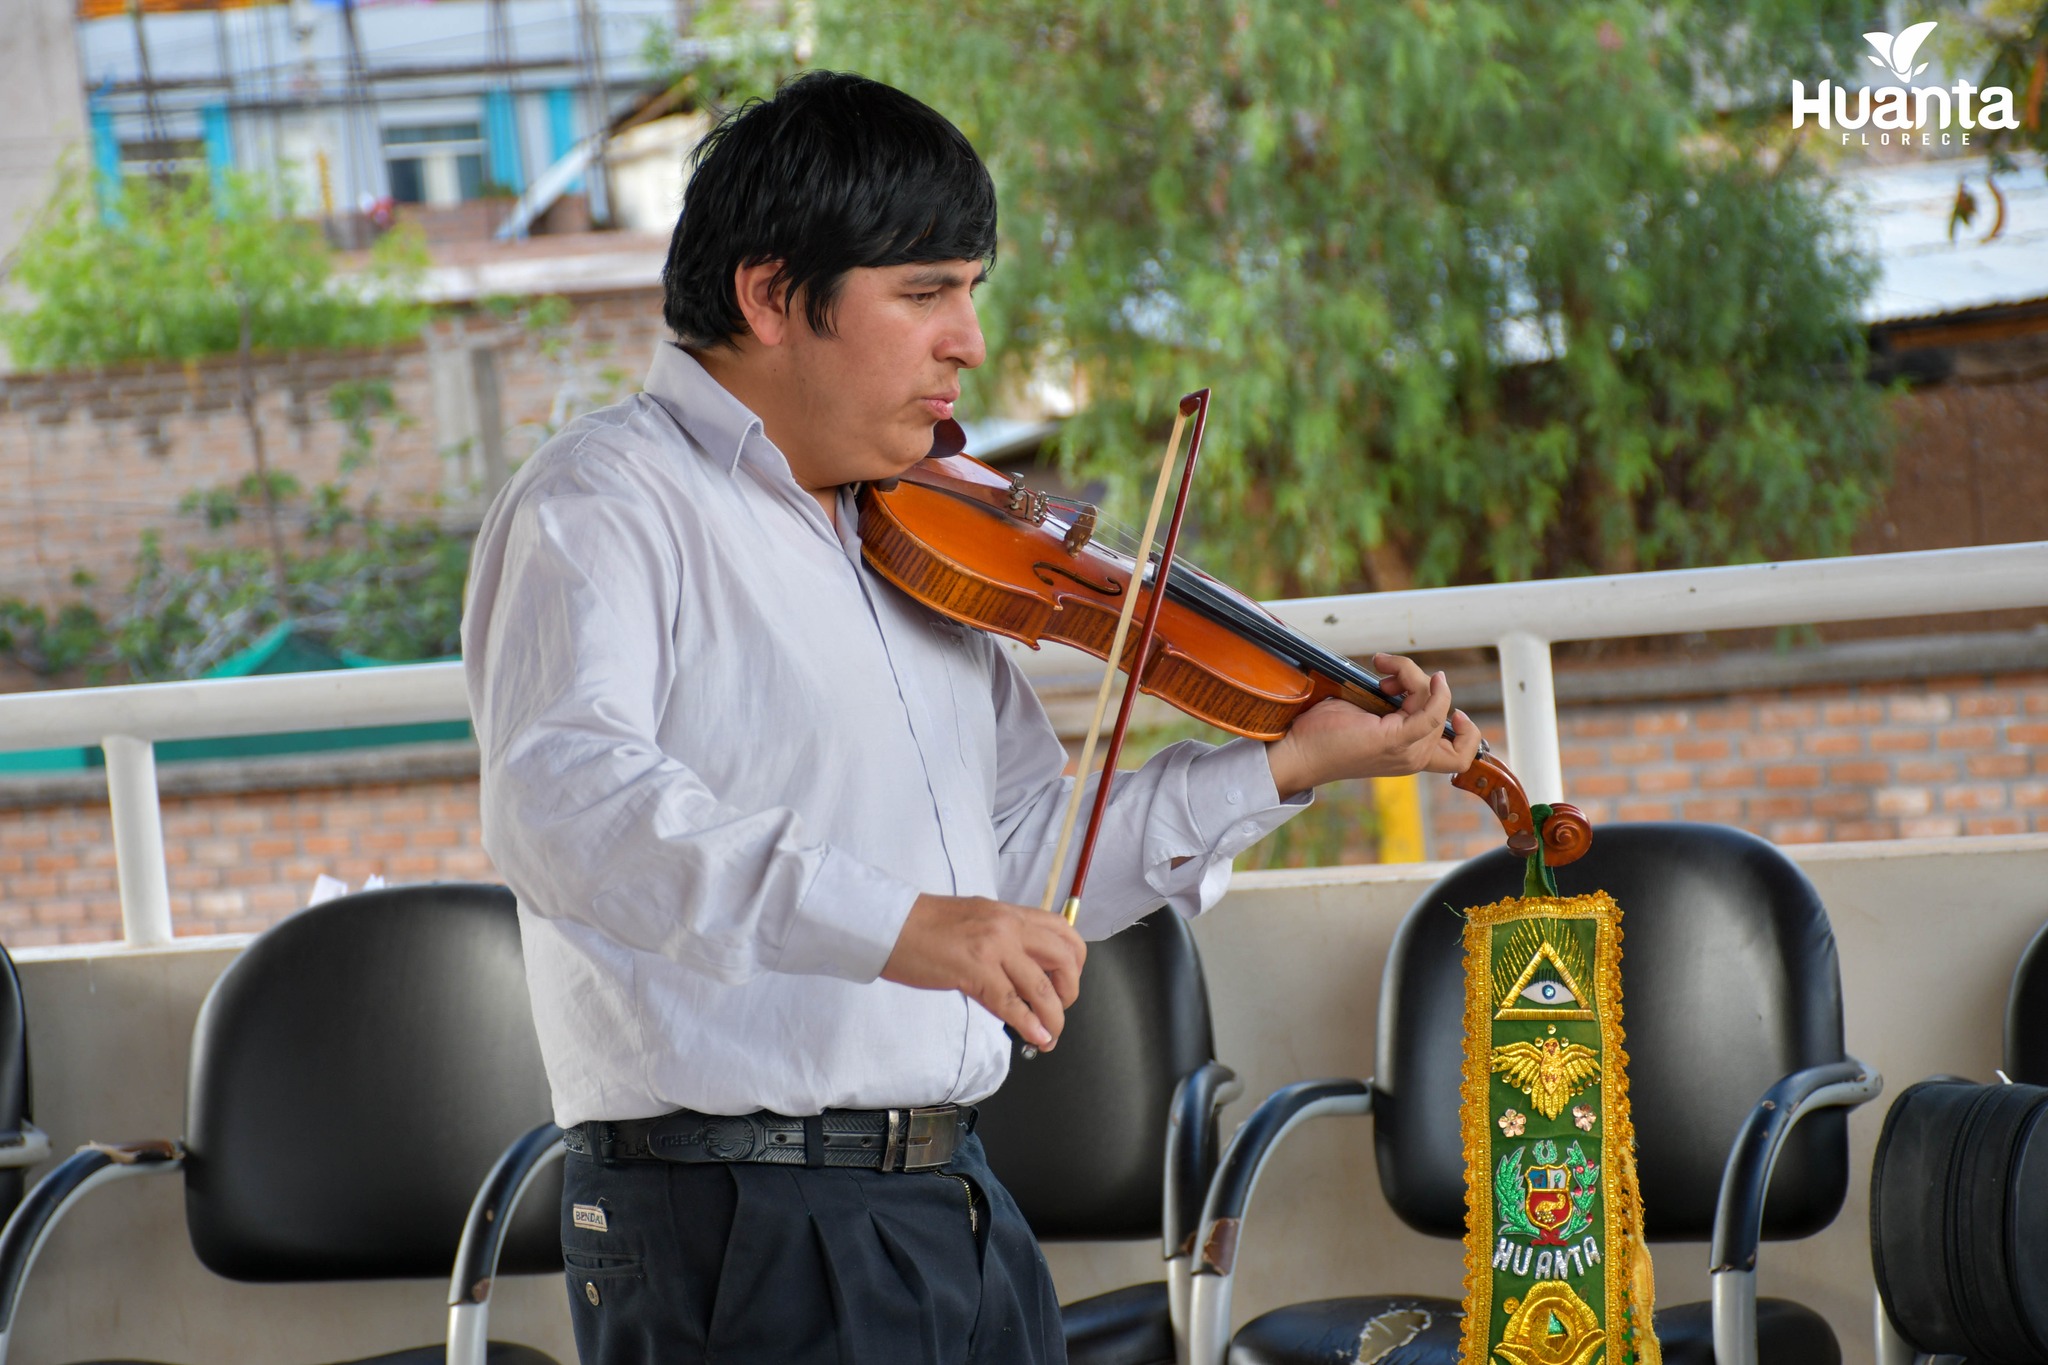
[(770, 820)]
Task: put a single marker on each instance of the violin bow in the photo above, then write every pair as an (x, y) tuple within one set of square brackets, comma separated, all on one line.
[(1195, 405)]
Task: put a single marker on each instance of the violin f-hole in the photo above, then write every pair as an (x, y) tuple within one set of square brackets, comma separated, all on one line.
[(1108, 587)]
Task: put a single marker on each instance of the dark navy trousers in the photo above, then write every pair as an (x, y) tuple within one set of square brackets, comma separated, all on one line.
[(741, 1263)]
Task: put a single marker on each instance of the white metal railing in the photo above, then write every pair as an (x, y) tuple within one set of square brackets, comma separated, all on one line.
[(1522, 620)]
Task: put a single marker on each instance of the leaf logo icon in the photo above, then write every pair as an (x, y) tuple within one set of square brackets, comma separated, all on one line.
[(1896, 54)]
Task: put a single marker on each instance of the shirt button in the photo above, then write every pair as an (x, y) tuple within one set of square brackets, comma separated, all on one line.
[(1233, 797), (1248, 829), (590, 1292)]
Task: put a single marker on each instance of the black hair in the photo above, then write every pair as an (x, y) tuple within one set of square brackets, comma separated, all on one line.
[(836, 171)]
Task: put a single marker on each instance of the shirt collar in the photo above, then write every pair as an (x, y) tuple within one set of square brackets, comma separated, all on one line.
[(718, 422)]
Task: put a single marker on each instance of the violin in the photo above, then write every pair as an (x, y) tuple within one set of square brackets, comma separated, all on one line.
[(982, 548)]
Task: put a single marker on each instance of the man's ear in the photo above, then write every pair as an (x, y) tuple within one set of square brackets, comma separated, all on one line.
[(763, 302)]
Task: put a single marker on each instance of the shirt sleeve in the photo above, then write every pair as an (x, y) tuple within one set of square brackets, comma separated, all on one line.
[(568, 651), (1169, 833)]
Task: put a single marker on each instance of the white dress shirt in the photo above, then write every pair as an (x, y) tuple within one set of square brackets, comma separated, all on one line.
[(721, 757)]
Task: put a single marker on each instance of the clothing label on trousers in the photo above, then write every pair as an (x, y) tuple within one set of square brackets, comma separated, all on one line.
[(588, 1216)]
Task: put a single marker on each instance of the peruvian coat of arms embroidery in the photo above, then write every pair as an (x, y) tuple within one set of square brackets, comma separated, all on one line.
[(1552, 1201)]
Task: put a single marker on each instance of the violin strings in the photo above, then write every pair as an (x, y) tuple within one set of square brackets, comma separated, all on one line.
[(1220, 602)]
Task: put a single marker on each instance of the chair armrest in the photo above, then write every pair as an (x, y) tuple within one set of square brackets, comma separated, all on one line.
[(483, 1237), (25, 1146), (490, 1214), (1245, 1158), (1739, 1213), (90, 1167), (1231, 1192), (1746, 1180), (1191, 1150)]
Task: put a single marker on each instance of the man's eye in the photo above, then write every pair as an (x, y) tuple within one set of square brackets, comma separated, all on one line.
[(926, 297)]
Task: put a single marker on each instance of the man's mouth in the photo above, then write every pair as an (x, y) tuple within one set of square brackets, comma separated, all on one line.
[(940, 405)]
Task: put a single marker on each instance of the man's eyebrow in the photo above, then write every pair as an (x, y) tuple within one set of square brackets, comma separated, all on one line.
[(940, 274)]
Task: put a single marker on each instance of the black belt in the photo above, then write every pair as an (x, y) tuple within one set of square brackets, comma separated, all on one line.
[(870, 1139)]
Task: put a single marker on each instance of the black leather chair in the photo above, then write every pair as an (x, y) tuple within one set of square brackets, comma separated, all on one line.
[(1733, 1019), (2026, 1015), (22, 1144), (1134, 1083), (355, 1075)]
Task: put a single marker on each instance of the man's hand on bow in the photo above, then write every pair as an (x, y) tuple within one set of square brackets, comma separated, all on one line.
[(1022, 964), (1333, 739)]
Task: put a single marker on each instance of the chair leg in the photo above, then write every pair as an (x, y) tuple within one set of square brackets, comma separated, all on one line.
[(1734, 1317), (1892, 1349), (1179, 1289)]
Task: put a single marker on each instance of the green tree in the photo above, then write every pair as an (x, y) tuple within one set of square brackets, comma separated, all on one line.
[(2006, 42), (181, 271), (364, 583), (1485, 288)]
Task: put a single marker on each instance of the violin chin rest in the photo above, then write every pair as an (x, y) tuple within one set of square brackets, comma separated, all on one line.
[(948, 438)]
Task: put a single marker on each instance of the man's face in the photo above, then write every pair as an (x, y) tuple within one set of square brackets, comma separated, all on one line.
[(863, 400)]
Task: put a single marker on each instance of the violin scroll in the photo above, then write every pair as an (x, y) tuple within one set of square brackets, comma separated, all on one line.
[(1567, 834)]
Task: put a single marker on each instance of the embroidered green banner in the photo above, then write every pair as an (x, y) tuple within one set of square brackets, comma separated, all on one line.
[(1555, 1269)]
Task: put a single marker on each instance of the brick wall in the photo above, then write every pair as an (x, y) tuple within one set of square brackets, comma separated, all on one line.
[(1957, 756), (88, 461), (1953, 756), (236, 862)]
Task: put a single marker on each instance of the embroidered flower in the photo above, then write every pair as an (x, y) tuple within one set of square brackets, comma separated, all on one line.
[(1583, 1116), (1512, 1123)]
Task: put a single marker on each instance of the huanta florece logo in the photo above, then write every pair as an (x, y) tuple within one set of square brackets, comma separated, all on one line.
[(1905, 115), (1896, 54)]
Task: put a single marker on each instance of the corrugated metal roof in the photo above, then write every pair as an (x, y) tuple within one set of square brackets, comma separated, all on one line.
[(1904, 221)]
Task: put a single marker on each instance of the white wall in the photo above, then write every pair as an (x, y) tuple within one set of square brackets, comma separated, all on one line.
[(647, 171), (1928, 933), (42, 109)]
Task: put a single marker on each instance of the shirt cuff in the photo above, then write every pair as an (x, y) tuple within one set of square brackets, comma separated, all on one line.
[(1232, 799), (848, 921)]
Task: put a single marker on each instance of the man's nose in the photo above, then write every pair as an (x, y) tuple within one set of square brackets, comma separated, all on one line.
[(963, 344)]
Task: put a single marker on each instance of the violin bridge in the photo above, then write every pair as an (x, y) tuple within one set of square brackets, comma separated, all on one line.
[(1081, 531)]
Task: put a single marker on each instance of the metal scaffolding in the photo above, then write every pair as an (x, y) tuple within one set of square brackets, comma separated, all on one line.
[(311, 89)]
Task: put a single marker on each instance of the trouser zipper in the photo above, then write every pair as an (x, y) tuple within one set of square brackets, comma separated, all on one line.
[(973, 1213)]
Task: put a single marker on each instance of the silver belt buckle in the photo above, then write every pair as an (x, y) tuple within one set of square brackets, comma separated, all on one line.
[(922, 1131), (893, 1140)]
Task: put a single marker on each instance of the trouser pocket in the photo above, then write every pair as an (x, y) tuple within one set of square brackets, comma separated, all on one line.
[(591, 1276)]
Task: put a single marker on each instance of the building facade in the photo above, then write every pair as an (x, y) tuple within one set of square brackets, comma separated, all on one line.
[(360, 110)]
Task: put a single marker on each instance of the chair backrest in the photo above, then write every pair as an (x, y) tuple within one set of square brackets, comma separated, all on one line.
[(2026, 1015), (1729, 982), (14, 1087), (355, 1073), (1078, 1135)]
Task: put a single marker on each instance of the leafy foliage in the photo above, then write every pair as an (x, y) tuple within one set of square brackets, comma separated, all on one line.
[(48, 644), (2003, 42), (179, 270), (168, 271), (365, 584), (732, 54), (1484, 289), (391, 590)]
